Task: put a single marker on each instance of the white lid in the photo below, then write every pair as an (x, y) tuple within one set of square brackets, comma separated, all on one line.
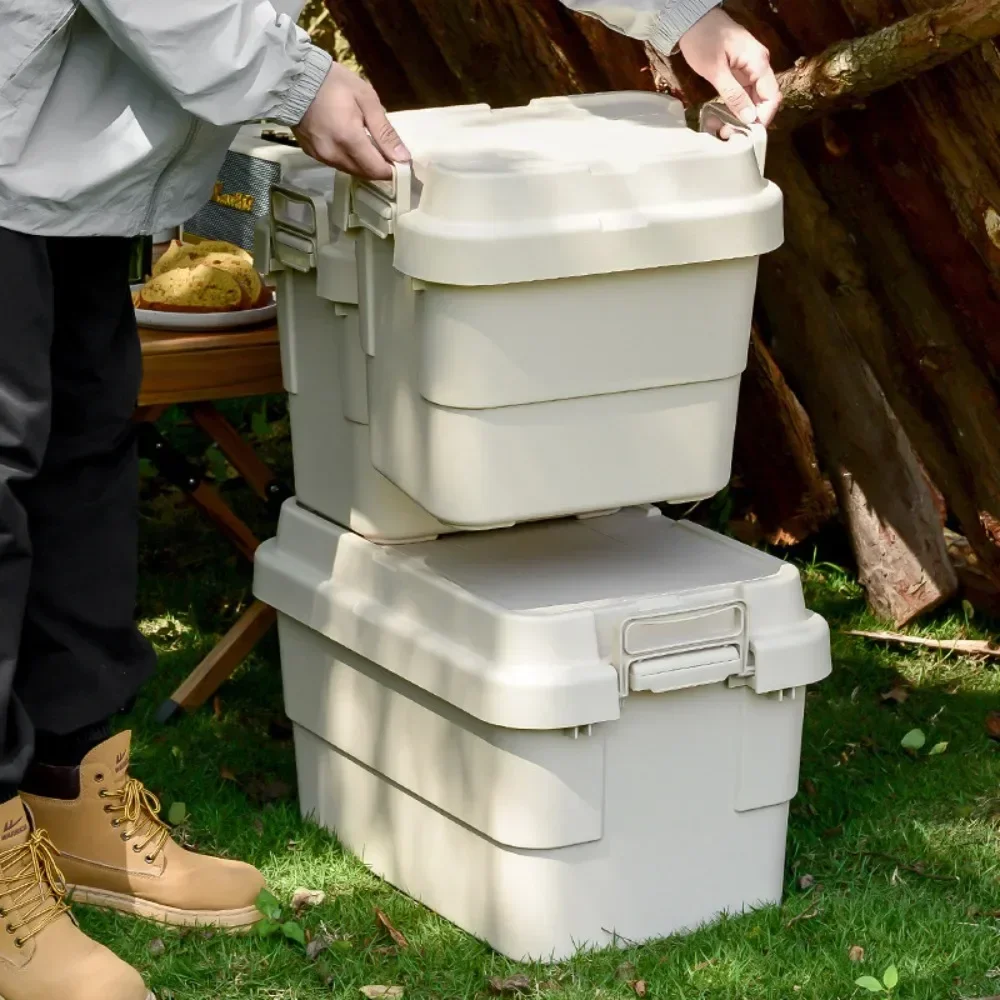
[(573, 186), (542, 626)]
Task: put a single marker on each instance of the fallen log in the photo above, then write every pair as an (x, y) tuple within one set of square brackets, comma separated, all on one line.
[(884, 496), (777, 463)]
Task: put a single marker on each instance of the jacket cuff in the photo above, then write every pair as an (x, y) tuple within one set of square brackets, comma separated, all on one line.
[(675, 19), (304, 87)]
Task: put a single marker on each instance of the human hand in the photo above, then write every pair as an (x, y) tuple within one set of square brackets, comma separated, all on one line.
[(346, 127), (736, 64)]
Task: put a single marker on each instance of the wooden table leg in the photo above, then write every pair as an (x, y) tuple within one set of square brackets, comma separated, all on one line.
[(244, 459), (238, 642), (221, 662)]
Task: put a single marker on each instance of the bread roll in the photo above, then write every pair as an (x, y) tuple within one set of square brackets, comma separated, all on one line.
[(194, 289), (246, 274), (184, 254)]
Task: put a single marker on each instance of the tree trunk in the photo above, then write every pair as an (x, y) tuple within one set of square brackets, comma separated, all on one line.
[(440, 52), (890, 511), (944, 403), (777, 456)]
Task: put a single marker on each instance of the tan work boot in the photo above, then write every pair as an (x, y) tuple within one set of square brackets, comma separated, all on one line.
[(116, 852), (43, 954)]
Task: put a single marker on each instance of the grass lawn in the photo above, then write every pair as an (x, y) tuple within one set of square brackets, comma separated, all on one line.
[(890, 852)]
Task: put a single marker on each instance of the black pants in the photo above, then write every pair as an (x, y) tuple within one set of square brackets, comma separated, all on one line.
[(70, 366)]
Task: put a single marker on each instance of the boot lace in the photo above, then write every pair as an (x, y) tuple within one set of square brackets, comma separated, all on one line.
[(34, 887), (137, 809)]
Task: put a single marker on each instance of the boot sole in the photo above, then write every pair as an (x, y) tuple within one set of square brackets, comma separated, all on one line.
[(160, 913)]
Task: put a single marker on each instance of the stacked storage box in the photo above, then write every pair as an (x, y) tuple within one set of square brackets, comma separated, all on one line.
[(556, 729)]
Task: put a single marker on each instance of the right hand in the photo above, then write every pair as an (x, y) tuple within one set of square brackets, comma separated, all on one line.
[(736, 64), (346, 127)]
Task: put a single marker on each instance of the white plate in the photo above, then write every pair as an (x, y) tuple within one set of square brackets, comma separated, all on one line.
[(214, 321)]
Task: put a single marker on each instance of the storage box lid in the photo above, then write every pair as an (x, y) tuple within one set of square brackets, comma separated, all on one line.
[(569, 186), (549, 626)]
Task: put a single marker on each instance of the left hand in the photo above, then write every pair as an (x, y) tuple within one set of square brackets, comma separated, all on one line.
[(736, 64)]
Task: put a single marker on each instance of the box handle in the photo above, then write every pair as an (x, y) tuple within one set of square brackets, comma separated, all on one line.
[(678, 671), (300, 223), (756, 133)]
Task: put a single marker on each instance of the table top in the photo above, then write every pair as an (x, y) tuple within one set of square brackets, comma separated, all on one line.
[(192, 367), (180, 341)]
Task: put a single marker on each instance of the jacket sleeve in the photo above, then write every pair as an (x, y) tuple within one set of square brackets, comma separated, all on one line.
[(659, 22), (226, 61)]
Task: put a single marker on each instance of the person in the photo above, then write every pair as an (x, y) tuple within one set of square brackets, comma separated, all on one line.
[(115, 117)]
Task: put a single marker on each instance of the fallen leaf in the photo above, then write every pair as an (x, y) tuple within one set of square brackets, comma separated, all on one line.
[(304, 898), (511, 986), (258, 826), (869, 983), (701, 966), (387, 924), (937, 749), (217, 708), (809, 788), (375, 992), (993, 725), (833, 831), (967, 647), (549, 986), (156, 947), (895, 696), (227, 774), (317, 946), (913, 740), (890, 978), (856, 954), (177, 813), (640, 987), (625, 973), (806, 882)]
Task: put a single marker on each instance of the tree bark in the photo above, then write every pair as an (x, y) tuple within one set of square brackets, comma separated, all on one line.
[(943, 401), (776, 453), (851, 70), (439, 52), (884, 495)]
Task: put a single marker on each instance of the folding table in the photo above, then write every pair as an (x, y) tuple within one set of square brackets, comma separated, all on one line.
[(194, 370)]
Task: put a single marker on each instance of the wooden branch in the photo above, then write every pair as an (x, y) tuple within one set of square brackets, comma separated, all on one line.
[(849, 71), (964, 647)]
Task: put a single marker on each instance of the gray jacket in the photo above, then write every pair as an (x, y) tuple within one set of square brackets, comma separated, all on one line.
[(115, 115)]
